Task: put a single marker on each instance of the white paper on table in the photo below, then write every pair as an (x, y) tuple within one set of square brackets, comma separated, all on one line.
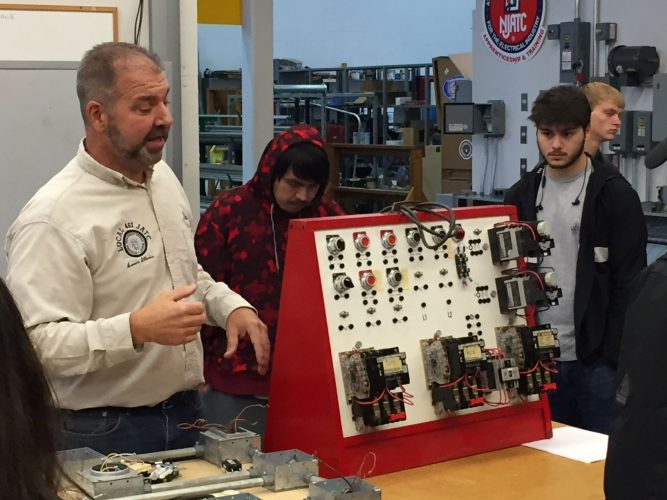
[(574, 443)]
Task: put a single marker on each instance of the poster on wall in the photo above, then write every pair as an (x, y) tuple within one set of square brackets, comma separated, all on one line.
[(514, 29)]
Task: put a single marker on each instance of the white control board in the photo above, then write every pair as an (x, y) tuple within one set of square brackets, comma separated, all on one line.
[(383, 289)]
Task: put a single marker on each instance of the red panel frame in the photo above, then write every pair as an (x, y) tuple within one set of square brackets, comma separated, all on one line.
[(303, 401)]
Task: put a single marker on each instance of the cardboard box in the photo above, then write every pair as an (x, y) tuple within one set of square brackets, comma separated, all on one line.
[(455, 181), (446, 70), (457, 152), (455, 187), (431, 171), (218, 103), (410, 136), (456, 175), (394, 86)]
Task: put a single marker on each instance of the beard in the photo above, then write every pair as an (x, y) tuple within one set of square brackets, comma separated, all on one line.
[(571, 159), (139, 151)]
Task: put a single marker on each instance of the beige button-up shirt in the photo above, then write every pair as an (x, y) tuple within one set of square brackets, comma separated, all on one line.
[(89, 248)]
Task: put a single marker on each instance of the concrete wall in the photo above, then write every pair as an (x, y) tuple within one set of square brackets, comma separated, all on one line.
[(638, 24)]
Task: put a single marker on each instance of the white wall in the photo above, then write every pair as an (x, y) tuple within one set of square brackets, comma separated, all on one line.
[(494, 79), (41, 126), (326, 33)]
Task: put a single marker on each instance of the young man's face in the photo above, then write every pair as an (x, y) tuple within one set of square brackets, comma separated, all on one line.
[(605, 121), (292, 193), (560, 145)]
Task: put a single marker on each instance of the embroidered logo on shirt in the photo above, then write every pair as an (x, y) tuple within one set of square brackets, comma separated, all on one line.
[(133, 239), (134, 243)]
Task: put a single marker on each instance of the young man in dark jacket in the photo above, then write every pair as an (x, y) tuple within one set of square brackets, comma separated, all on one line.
[(241, 240), (598, 226)]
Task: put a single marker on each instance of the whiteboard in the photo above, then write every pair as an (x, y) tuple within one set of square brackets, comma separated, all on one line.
[(53, 33)]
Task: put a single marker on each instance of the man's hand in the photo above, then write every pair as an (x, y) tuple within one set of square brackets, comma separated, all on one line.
[(168, 320), (242, 322)]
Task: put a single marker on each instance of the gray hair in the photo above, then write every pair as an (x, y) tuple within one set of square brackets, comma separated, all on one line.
[(96, 77)]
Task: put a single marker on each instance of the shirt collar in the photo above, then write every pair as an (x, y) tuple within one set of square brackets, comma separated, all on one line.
[(93, 167)]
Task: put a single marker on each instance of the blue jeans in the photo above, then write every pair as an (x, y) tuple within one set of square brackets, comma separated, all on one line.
[(143, 429), (222, 408), (584, 395)]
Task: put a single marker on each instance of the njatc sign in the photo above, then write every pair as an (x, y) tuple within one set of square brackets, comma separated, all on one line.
[(514, 29)]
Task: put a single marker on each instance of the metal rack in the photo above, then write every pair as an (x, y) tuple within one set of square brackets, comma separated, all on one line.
[(293, 104), (380, 81)]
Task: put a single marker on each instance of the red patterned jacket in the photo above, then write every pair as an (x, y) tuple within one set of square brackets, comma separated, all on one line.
[(235, 244)]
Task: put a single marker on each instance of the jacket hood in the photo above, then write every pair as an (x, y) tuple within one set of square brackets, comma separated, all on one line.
[(261, 182)]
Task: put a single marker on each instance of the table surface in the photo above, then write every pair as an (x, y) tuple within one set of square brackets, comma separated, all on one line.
[(512, 473)]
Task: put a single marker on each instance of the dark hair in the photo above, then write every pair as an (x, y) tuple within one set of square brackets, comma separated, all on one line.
[(308, 161), (96, 77), (29, 469), (564, 105)]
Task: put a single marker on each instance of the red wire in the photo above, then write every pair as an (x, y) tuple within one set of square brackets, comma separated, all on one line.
[(548, 368), (522, 224), (398, 398), (533, 369), (496, 353), (367, 403), (406, 392), (456, 382), (476, 388), (537, 275)]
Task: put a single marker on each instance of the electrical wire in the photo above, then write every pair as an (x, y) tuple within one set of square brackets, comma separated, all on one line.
[(138, 21), (339, 473), (509, 223), (235, 422), (495, 165), (532, 370), (368, 403), (405, 399), (273, 232), (476, 387), (410, 209), (495, 353), (548, 368), (455, 383), (112, 460), (202, 424), (486, 164), (521, 272), (360, 472)]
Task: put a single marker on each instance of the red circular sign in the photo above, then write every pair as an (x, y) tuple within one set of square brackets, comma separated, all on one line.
[(514, 29)]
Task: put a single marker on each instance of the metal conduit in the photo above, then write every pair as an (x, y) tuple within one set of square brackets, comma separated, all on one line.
[(192, 483), (198, 491)]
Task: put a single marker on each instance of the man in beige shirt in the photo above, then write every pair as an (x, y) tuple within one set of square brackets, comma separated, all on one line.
[(102, 264)]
